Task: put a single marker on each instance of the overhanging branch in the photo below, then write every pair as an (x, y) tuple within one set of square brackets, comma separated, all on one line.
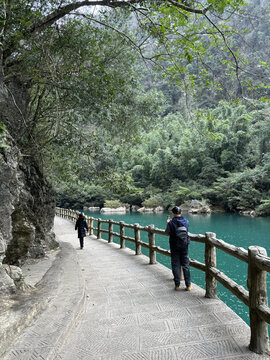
[(62, 11), (189, 9), (65, 10)]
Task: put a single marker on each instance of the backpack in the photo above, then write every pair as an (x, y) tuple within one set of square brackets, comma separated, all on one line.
[(181, 236)]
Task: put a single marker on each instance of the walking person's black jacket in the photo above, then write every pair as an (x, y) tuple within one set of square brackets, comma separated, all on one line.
[(81, 226)]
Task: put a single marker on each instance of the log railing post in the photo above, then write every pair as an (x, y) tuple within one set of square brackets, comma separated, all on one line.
[(210, 261), (137, 237), (110, 238), (88, 223), (91, 226), (122, 234), (257, 285), (99, 229), (151, 239)]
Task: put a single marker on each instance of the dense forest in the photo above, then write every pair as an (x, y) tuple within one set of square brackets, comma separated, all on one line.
[(199, 134), (149, 103)]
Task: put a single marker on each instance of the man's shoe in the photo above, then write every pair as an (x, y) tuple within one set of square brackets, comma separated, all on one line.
[(188, 288), (177, 288)]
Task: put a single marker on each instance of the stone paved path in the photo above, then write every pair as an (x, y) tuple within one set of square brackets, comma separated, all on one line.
[(121, 308)]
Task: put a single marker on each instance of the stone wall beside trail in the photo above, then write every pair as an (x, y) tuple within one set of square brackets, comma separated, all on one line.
[(27, 209)]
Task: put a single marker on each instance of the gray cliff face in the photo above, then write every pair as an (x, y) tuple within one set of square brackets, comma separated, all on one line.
[(27, 209), (27, 203)]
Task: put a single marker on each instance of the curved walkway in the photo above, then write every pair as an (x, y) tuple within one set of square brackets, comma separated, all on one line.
[(112, 305)]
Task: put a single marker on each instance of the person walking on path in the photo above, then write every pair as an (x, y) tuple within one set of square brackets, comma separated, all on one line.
[(177, 228), (81, 225)]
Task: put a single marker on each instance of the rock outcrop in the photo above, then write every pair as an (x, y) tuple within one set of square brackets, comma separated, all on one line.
[(92, 208), (134, 208), (120, 210), (157, 209), (27, 209), (248, 212), (196, 207)]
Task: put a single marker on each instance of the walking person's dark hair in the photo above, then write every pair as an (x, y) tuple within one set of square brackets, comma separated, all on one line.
[(176, 210)]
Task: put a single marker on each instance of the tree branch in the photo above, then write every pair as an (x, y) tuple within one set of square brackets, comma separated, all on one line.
[(65, 10), (125, 36), (230, 50), (62, 11), (189, 9)]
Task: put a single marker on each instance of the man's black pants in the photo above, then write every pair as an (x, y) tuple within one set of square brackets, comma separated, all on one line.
[(180, 258)]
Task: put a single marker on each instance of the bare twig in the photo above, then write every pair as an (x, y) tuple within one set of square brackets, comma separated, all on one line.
[(122, 34), (230, 50)]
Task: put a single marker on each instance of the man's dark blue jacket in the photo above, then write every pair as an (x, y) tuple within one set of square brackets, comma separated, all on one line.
[(170, 229)]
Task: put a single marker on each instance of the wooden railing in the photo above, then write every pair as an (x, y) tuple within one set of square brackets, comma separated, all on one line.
[(256, 258)]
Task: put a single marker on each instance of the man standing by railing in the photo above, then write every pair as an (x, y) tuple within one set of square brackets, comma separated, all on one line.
[(177, 228)]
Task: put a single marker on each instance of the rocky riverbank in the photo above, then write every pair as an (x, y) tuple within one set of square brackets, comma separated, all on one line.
[(192, 206)]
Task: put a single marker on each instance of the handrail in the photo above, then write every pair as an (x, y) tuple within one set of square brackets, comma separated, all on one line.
[(256, 258)]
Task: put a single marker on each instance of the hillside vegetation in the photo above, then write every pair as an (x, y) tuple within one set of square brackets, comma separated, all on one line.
[(204, 133)]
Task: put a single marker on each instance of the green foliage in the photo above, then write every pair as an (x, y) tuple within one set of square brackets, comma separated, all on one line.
[(87, 127), (221, 5), (241, 191), (179, 192), (153, 201), (78, 194), (217, 157), (134, 197), (105, 127), (264, 208), (114, 204)]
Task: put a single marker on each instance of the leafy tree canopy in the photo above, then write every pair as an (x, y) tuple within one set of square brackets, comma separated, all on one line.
[(76, 67)]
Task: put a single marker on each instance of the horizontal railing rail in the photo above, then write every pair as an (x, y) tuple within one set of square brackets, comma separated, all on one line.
[(256, 258)]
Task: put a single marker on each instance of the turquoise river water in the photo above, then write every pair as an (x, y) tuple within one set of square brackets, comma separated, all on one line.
[(241, 231)]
